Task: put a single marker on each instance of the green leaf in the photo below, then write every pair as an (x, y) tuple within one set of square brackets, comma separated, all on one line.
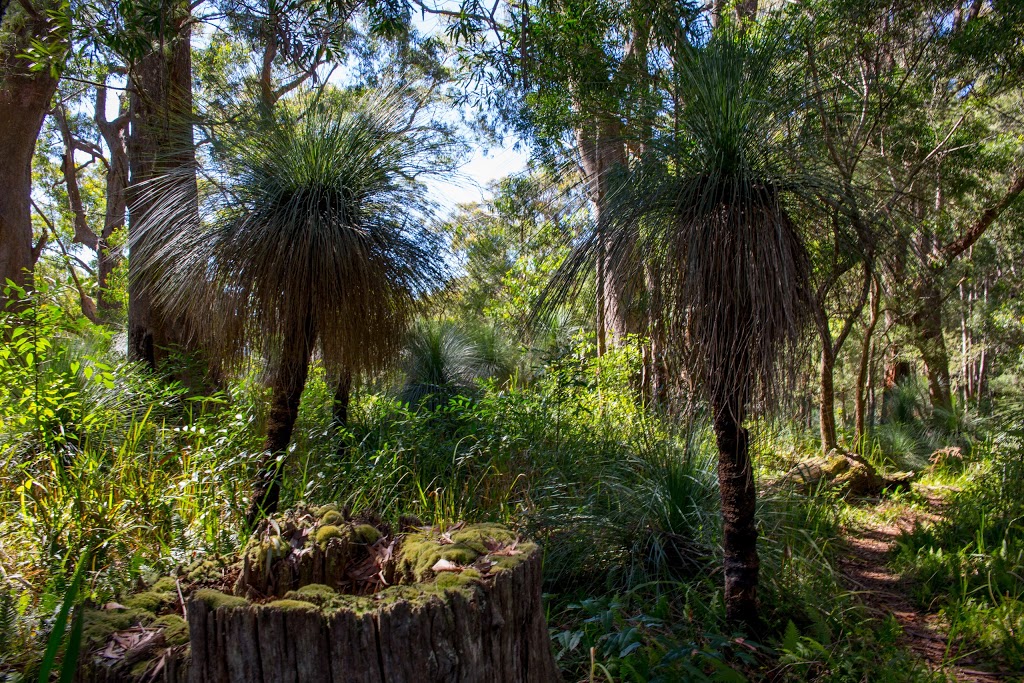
[(791, 637), (69, 666), (56, 638)]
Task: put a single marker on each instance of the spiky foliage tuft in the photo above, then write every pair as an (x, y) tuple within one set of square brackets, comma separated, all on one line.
[(439, 361), (710, 215), (313, 230)]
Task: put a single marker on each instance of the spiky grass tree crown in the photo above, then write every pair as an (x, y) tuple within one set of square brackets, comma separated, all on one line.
[(313, 230), (710, 217)]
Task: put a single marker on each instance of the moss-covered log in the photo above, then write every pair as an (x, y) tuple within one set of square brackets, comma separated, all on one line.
[(848, 473)]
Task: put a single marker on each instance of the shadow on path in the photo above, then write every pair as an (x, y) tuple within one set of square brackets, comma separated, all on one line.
[(864, 567)]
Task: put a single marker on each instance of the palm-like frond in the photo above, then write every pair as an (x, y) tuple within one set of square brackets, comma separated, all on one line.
[(313, 229), (710, 214), (440, 360)]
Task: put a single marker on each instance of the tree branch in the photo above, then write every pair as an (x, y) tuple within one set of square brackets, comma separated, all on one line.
[(855, 313), (984, 221), (83, 233)]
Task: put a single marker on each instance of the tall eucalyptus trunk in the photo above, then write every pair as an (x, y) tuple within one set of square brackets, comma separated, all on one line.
[(603, 154), (25, 96), (159, 142)]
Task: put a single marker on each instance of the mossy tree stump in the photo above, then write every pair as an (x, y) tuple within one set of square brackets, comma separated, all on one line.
[(322, 598)]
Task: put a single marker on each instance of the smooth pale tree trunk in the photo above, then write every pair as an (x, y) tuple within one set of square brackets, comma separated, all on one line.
[(286, 393), (739, 499), (24, 100), (160, 141), (603, 154), (113, 133)]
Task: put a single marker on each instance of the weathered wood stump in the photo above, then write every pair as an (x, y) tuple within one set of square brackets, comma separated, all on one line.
[(319, 597)]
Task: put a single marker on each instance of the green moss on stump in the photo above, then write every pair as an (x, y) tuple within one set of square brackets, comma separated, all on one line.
[(215, 599), (366, 533), (99, 624), (287, 605), (324, 509), (204, 570), (164, 584), (151, 601), (331, 518), (174, 627), (326, 533), (421, 551)]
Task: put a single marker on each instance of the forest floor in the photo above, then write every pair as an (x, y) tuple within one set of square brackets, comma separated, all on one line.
[(864, 566)]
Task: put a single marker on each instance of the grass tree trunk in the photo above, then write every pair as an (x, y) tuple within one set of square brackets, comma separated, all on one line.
[(24, 99), (286, 393), (739, 499), (160, 142)]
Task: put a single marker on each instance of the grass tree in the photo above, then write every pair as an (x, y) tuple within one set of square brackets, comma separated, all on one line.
[(311, 239), (714, 212)]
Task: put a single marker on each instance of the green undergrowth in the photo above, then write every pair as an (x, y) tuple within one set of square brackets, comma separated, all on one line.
[(621, 500), (967, 567)]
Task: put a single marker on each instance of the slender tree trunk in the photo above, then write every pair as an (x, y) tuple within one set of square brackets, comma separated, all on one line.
[(24, 100), (827, 398), (930, 342), (160, 142), (342, 398), (603, 155), (113, 133), (860, 406), (739, 527), (286, 387)]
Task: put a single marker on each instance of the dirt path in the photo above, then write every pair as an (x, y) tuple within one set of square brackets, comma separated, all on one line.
[(864, 567)]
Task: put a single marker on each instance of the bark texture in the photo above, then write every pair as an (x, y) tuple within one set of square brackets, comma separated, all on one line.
[(342, 398), (490, 633), (739, 527), (929, 339), (863, 369), (827, 400), (160, 141), (24, 99), (603, 156), (287, 387)]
